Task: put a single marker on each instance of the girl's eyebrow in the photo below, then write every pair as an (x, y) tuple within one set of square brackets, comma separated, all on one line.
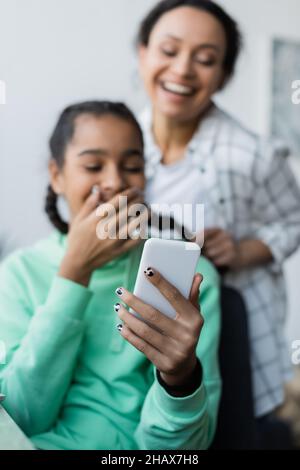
[(104, 153), (200, 46), (132, 152), (98, 152)]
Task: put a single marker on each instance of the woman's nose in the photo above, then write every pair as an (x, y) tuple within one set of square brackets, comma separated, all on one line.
[(183, 66)]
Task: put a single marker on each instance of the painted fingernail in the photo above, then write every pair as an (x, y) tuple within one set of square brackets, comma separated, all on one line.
[(149, 272), (117, 307), (136, 233), (119, 327), (119, 291), (95, 189)]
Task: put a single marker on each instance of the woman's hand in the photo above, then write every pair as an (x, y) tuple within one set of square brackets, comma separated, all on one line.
[(224, 251), (85, 251), (220, 248), (170, 344)]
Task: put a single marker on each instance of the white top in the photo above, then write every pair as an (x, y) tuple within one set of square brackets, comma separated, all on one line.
[(175, 183), (247, 187)]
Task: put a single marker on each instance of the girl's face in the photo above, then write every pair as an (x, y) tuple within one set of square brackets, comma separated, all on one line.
[(182, 66), (105, 151)]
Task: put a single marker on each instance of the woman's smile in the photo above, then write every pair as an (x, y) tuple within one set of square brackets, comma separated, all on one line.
[(178, 89)]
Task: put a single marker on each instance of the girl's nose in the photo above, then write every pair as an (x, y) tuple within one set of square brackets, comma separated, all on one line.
[(112, 183)]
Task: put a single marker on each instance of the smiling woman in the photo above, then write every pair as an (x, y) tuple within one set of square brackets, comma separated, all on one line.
[(183, 89), (197, 154)]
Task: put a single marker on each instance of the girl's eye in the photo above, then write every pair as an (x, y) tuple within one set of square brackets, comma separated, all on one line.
[(169, 52), (93, 168), (134, 169)]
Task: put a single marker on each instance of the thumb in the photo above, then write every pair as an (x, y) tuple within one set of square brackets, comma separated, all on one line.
[(194, 293)]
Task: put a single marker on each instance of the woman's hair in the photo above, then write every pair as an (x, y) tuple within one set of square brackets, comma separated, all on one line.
[(233, 35), (63, 134)]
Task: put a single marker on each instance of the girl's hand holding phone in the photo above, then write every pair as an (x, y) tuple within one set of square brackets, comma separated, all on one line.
[(170, 344)]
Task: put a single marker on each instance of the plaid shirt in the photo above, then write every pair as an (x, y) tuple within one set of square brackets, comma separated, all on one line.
[(247, 187)]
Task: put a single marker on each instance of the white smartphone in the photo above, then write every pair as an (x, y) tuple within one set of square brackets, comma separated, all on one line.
[(176, 261)]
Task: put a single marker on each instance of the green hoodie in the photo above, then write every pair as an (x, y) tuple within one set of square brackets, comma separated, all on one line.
[(73, 382)]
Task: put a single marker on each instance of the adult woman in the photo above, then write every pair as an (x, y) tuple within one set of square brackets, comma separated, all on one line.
[(71, 380), (196, 153)]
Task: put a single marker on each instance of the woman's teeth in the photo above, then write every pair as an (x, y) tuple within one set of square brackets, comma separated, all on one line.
[(179, 89)]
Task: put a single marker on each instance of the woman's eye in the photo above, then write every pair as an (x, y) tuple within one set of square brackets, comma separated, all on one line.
[(204, 61)]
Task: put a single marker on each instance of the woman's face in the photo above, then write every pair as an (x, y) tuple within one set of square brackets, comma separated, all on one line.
[(182, 66), (105, 151)]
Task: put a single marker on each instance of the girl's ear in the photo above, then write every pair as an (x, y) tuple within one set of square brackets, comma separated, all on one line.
[(56, 178)]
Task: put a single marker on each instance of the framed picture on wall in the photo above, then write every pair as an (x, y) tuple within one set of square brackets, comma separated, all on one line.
[(285, 115)]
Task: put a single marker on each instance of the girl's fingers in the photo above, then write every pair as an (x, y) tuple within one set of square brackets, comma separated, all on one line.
[(180, 304), (129, 195), (137, 227), (89, 206), (128, 208), (141, 345), (188, 318), (112, 217), (152, 316), (112, 222), (194, 293), (125, 246), (143, 330)]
